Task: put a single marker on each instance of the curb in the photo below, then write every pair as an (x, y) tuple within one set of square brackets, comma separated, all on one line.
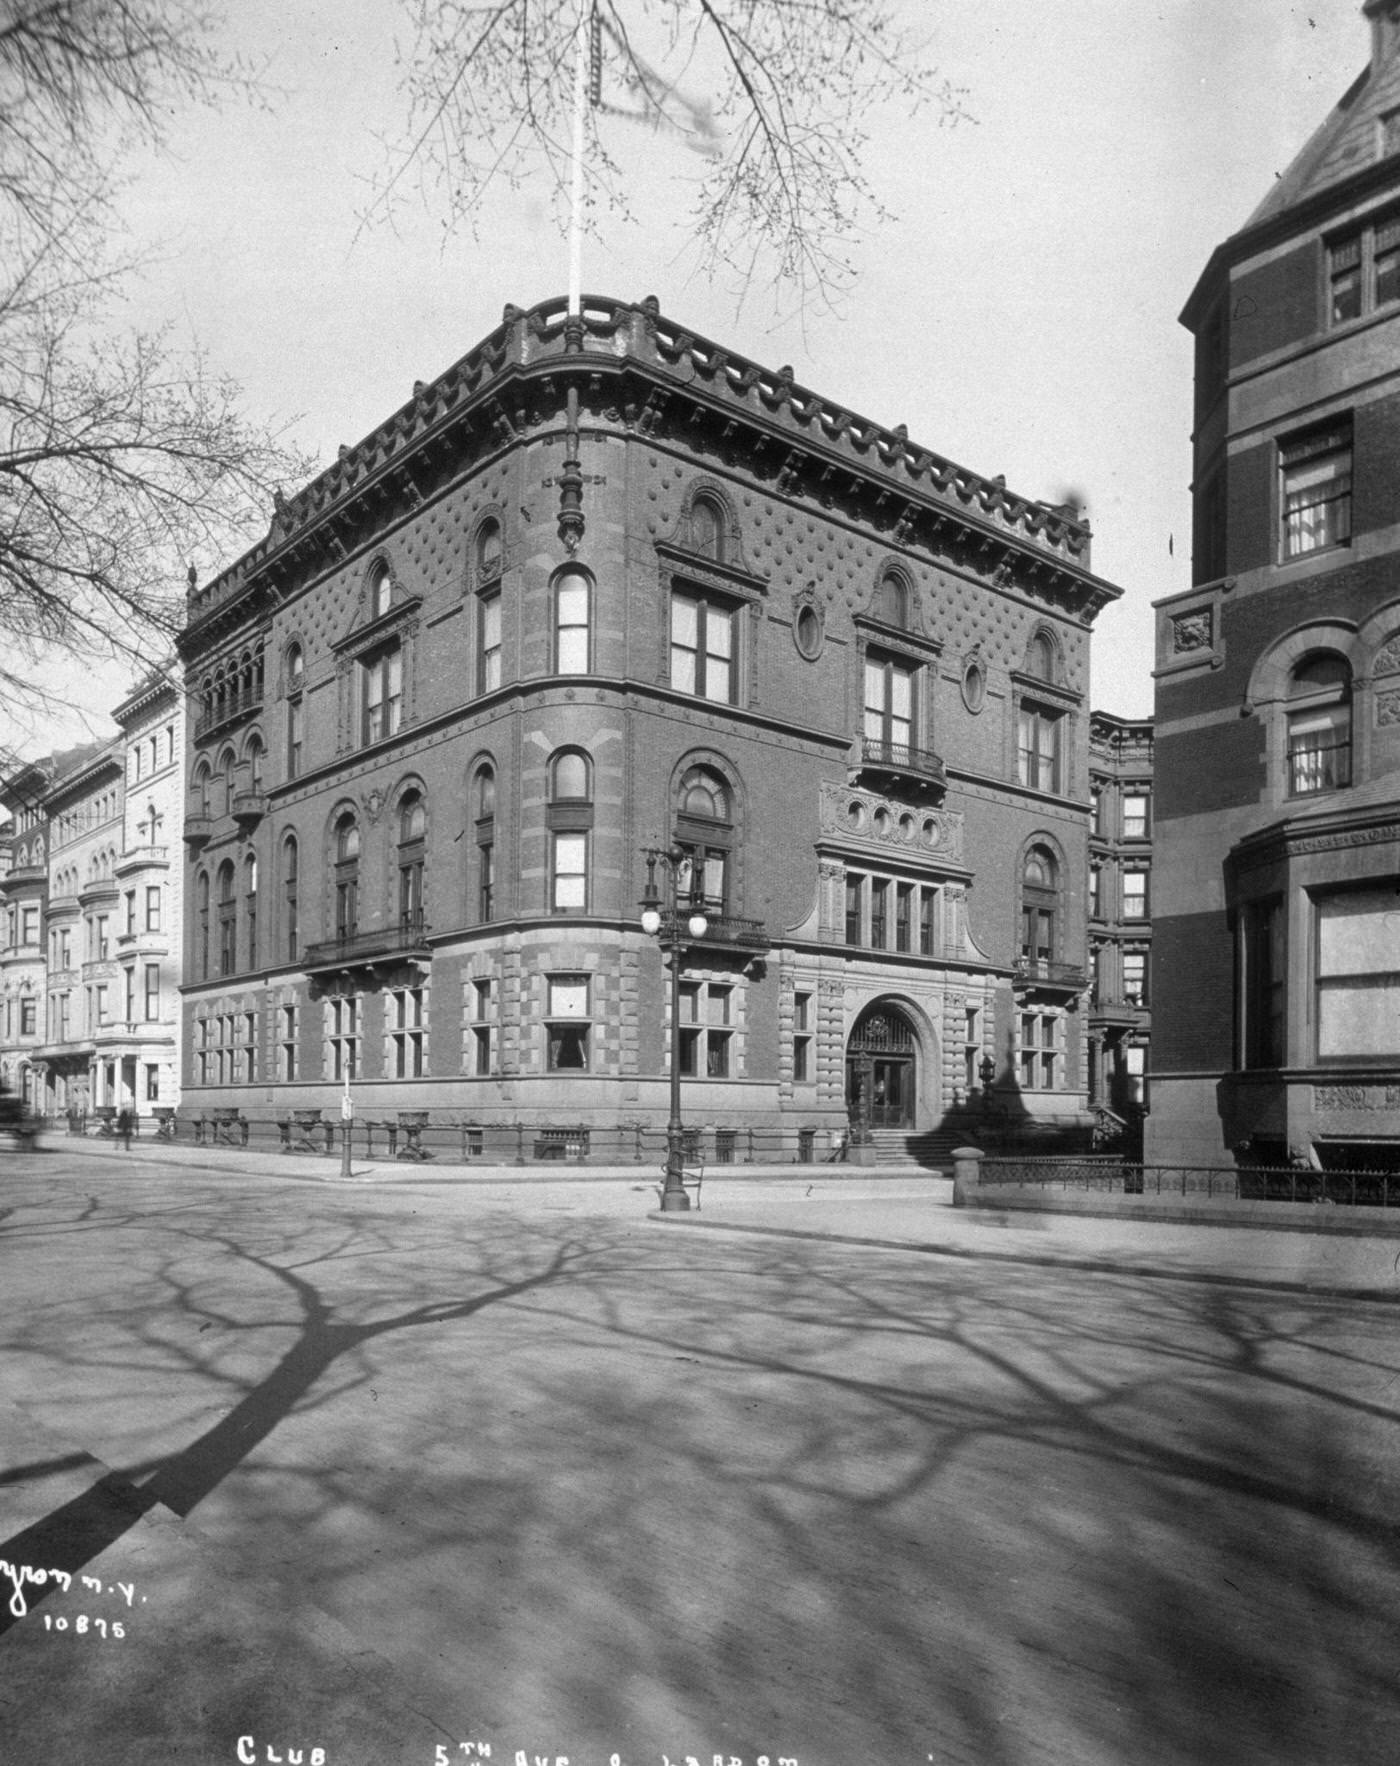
[(1091, 1265)]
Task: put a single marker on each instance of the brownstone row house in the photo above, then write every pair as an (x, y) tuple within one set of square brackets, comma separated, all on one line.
[(1276, 937), (1120, 911), (602, 590)]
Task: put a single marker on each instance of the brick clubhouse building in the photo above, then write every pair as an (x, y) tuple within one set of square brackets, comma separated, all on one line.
[(1276, 924), (606, 606)]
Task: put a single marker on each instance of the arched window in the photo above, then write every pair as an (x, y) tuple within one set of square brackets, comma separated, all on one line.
[(347, 878), (381, 591), (1319, 725), (250, 909), (489, 552), (296, 681), (892, 601), (1040, 895), (413, 828), (483, 806), (201, 788), (290, 922), (1041, 657), (254, 753), (573, 592), (707, 528), (570, 819), (202, 904), (227, 763), (228, 920), (704, 832)]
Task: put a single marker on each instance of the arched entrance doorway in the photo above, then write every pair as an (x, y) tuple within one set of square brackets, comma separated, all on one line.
[(882, 1060)]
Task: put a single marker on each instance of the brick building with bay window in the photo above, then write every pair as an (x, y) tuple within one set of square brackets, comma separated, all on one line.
[(1276, 955), (605, 588)]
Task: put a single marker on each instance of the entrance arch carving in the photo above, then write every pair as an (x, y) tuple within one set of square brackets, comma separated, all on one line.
[(887, 1066)]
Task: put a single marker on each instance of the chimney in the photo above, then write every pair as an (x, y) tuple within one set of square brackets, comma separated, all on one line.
[(1385, 30)]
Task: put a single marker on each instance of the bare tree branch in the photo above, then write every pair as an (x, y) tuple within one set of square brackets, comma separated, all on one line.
[(773, 95), (122, 456)]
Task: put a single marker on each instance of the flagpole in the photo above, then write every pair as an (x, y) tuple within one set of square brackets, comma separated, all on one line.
[(581, 62)]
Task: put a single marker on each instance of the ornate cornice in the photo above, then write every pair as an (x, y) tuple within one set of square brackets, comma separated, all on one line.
[(638, 372)]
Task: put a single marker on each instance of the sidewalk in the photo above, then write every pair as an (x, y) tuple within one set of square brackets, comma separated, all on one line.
[(880, 1207)]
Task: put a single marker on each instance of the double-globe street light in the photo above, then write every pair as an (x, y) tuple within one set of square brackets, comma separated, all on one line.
[(674, 924)]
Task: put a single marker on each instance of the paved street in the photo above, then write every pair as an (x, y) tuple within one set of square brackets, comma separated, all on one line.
[(390, 1468)]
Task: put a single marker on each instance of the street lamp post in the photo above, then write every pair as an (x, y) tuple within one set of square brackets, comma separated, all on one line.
[(673, 930)]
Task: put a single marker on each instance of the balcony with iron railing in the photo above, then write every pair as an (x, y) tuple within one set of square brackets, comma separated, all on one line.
[(900, 763), (398, 941), (1047, 972), (228, 710), (733, 929)]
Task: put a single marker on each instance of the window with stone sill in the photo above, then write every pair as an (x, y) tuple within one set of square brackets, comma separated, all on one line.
[(1363, 269), (802, 1039), (567, 1023), (704, 645), (1315, 472), (706, 1030), (381, 693), (1040, 1050)]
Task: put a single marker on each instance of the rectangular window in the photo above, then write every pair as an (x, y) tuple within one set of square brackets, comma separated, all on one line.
[(152, 1083), (488, 642), (250, 1044), (1344, 278), (972, 1046), (879, 912), (1038, 748), (801, 1038), (1135, 816), (102, 1016), (1040, 1053), (343, 1035), (153, 907), (131, 913), (570, 872), (129, 996), (903, 915), (889, 708), (928, 921), (705, 1029), (1093, 892), (152, 1007), (703, 634), (567, 1024), (855, 890), (65, 1007), (382, 686), (28, 1017), (31, 925), (1316, 490), (1262, 990), (1319, 749), (409, 1033), (483, 1027), (294, 738), (1135, 895), (486, 879), (1358, 974), (1135, 977), (287, 1065)]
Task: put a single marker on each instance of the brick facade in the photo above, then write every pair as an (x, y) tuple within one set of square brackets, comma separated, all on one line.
[(600, 589), (1278, 747)]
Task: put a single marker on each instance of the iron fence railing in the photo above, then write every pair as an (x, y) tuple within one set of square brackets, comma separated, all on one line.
[(455, 1138), (1256, 1183)]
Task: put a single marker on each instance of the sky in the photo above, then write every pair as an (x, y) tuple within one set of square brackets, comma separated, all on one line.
[(1018, 313)]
